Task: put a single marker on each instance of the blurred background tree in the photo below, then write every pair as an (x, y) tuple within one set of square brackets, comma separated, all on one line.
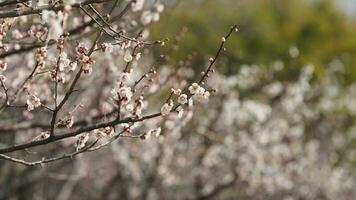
[(295, 32)]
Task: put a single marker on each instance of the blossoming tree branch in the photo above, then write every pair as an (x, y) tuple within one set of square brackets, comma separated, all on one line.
[(82, 75)]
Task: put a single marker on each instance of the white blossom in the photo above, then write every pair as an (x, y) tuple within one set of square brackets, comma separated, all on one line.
[(294, 52), (107, 47), (63, 62), (202, 94), (33, 102), (194, 88), (81, 140), (3, 65), (2, 78), (102, 132), (128, 57), (124, 93), (176, 91), (159, 7), (180, 113), (124, 78), (182, 99), (167, 107), (138, 56), (273, 89), (73, 66), (146, 17), (16, 34)]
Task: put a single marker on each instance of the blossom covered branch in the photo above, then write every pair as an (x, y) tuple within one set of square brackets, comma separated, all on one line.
[(62, 96)]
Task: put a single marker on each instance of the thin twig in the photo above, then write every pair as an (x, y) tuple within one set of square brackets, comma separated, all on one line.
[(39, 9), (41, 162)]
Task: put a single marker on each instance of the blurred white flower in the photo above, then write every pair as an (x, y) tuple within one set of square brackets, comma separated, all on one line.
[(54, 20), (138, 5), (146, 17), (124, 78), (273, 89), (293, 52)]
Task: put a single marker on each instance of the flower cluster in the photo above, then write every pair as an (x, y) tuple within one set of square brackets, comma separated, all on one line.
[(198, 92), (86, 61), (41, 55)]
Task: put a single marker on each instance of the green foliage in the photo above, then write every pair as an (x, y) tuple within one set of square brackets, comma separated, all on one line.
[(267, 31)]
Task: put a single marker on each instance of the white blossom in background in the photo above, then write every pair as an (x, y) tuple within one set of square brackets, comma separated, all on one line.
[(273, 89), (149, 16), (248, 76), (138, 5), (64, 61), (154, 132), (16, 34), (294, 52), (124, 78), (54, 20)]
